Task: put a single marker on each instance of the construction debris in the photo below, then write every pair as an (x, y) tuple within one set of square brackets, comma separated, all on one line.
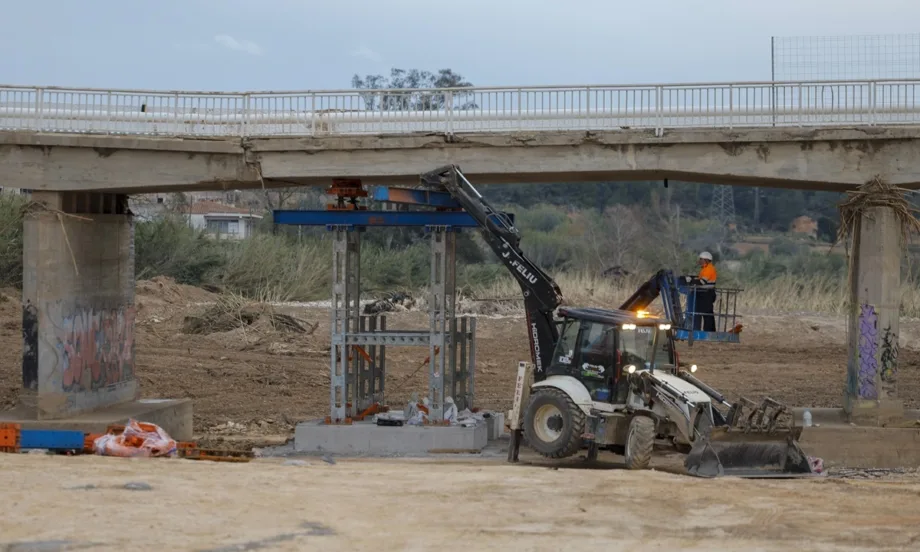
[(393, 302), (136, 439), (871, 473), (876, 193), (230, 312)]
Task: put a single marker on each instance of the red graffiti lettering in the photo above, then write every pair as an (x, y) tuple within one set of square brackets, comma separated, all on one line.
[(97, 347)]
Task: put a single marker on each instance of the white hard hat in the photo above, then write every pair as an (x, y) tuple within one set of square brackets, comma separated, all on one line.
[(706, 255)]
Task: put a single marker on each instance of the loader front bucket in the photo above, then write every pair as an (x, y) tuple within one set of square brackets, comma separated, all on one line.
[(728, 451)]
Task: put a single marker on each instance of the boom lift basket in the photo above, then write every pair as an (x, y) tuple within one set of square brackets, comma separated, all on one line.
[(725, 318)]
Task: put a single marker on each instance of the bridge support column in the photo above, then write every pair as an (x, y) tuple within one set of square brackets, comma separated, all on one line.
[(875, 293), (78, 314)]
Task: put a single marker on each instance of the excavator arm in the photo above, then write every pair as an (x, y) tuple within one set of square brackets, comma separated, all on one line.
[(665, 285), (662, 284), (541, 293)]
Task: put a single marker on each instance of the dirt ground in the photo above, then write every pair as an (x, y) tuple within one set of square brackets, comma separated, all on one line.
[(252, 384), (69, 503), (260, 381)]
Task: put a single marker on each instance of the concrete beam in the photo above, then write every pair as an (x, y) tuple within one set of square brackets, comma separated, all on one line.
[(801, 161), (122, 164), (826, 159)]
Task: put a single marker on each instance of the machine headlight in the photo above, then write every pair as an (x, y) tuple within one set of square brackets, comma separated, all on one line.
[(631, 368), (692, 368), (629, 326), (664, 326), (642, 314)]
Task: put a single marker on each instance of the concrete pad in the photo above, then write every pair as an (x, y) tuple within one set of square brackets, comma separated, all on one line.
[(846, 446), (837, 416), (173, 415), (369, 438)]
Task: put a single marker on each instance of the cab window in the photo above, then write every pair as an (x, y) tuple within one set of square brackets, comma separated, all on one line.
[(564, 356), (597, 358), (635, 346)]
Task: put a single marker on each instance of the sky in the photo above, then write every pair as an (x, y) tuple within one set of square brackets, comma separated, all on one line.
[(262, 45)]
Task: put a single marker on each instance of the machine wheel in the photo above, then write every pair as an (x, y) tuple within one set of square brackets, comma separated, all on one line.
[(553, 423), (639, 442)]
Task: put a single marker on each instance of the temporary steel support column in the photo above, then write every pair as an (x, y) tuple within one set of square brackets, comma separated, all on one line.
[(346, 311), (358, 353), (442, 305), (371, 359)]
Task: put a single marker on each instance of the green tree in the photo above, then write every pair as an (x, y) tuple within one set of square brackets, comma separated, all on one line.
[(415, 90)]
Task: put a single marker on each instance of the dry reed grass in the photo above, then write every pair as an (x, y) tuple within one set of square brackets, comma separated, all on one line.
[(782, 295)]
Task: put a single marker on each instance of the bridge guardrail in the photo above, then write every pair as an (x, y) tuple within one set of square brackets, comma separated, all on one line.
[(451, 111)]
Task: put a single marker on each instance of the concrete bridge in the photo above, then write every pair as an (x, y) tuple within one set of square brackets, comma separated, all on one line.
[(819, 135), (83, 150)]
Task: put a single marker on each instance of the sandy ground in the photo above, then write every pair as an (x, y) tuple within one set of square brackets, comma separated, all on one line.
[(265, 380), (424, 505)]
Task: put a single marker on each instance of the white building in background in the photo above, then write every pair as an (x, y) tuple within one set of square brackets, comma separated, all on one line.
[(221, 220)]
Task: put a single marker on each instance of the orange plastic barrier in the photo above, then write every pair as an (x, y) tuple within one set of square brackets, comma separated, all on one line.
[(138, 439)]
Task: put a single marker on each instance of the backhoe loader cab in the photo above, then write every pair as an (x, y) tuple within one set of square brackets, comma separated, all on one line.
[(600, 348), (597, 387)]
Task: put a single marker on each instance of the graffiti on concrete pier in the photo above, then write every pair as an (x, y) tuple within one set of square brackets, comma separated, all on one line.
[(868, 347), (97, 348)]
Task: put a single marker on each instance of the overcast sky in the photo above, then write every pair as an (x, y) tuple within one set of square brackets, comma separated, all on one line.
[(319, 44)]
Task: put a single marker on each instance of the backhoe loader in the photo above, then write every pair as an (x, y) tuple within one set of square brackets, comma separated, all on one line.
[(611, 378)]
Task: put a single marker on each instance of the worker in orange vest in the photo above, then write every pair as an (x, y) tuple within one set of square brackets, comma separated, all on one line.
[(704, 290), (707, 273)]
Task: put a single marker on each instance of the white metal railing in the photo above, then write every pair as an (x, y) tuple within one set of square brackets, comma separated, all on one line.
[(349, 112)]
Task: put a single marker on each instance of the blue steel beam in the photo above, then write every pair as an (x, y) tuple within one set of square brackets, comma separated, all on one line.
[(411, 196), (375, 218), (54, 439)]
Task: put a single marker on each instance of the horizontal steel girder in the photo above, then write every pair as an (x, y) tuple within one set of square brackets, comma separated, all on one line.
[(375, 218)]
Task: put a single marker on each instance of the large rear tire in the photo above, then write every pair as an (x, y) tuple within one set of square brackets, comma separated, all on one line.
[(553, 423), (640, 440)]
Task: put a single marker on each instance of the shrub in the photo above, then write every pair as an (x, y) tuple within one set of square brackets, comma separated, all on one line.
[(11, 206), (169, 247), (274, 268)]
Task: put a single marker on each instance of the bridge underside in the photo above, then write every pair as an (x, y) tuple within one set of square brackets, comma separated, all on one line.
[(829, 159)]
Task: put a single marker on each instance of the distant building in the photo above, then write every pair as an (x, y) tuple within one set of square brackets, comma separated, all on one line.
[(804, 225), (221, 220), (147, 207)]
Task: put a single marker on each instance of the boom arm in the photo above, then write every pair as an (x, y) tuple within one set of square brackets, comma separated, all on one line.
[(664, 284), (541, 294)]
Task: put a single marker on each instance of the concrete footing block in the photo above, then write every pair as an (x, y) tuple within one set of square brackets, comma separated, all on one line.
[(369, 438), (173, 415), (837, 416), (496, 424), (845, 446)]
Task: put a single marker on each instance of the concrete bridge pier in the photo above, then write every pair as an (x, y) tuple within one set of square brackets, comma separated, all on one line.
[(875, 299), (78, 319)]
